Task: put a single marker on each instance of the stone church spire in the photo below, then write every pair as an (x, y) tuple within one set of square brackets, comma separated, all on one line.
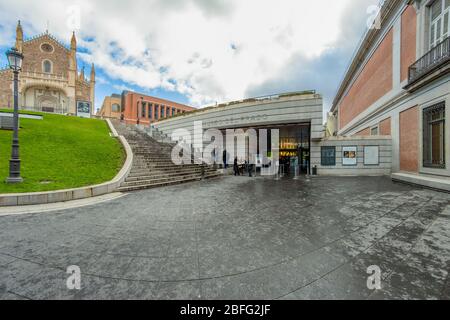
[(82, 74), (73, 42), (73, 56), (92, 89), (92, 79), (19, 37)]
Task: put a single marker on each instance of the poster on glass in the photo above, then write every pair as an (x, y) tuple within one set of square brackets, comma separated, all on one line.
[(349, 156)]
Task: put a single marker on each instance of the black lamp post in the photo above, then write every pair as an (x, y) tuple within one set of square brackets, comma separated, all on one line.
[(15, 59)]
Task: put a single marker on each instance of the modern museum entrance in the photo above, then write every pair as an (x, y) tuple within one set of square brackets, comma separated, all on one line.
[(294, 148)]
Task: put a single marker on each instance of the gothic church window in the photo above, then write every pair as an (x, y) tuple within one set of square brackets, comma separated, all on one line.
[(47, 66)]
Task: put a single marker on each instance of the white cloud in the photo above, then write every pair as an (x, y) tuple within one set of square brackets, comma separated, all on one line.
[(208, 50)]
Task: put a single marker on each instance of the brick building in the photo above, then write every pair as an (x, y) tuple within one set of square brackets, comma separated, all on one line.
[(134, 107), (398, 84), (111, 107), (49, 80)]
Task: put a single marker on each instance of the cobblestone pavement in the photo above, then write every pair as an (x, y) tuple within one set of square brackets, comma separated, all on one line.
[(237, 238)]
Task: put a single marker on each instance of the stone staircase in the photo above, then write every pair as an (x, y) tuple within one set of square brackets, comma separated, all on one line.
[(152, 165)]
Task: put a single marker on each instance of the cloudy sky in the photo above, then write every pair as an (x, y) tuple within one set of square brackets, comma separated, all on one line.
[(201, 52)]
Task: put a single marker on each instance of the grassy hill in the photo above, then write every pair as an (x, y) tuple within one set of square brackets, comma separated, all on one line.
[(61, 152)]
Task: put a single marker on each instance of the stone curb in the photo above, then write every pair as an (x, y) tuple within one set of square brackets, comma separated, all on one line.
[(20, 199), (434, 183)]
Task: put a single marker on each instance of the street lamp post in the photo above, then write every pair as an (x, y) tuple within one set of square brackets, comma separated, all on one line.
[(15, 59)]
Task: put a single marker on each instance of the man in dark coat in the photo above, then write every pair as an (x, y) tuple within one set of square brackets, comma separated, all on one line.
[(225, 164), (236, 167)]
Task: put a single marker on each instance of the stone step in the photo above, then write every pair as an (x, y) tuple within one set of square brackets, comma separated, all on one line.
[(162, 180), (152, 164), (154, 174), (162, 165), (154, 156), (137, 172), (162, 184)]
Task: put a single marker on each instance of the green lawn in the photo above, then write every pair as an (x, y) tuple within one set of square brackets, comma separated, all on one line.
[(61, 152)]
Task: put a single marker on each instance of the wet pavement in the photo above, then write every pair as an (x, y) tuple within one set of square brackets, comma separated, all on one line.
[(237, 238)]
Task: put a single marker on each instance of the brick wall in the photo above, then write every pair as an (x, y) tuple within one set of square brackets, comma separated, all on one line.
[(373, 82), (34, 56), (385, 127), (408, 40), (363, 133), (409, 140), (131, 102)]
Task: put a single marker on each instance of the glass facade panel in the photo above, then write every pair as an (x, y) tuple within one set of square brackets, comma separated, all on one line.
[(439, 22), (328, 156), (436, 9)]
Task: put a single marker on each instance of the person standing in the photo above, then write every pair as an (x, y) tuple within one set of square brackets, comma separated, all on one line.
[(236, 167), (224, 158)]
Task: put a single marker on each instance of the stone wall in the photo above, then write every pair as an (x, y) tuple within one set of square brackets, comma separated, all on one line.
[(6, 95), (385, 156), (83, 91), (106, 109), (34, 56)]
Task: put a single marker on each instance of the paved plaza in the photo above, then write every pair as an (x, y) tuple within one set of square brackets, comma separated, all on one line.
[(236, 238)]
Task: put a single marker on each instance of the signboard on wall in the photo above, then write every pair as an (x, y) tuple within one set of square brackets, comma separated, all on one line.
[(371, 155), (84, 109), (349, 157)]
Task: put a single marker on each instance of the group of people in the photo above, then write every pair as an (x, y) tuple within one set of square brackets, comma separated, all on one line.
[(239, 165)]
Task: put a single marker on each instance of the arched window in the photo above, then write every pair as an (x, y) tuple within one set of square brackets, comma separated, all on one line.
[(47, 66)]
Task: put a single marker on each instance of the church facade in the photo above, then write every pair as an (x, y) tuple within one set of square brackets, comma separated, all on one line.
[(49, 80)]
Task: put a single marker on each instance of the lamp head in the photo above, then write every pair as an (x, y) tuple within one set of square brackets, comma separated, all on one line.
[(15, 59)]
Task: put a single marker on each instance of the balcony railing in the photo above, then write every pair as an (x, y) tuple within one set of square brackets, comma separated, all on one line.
[(434, 58)]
